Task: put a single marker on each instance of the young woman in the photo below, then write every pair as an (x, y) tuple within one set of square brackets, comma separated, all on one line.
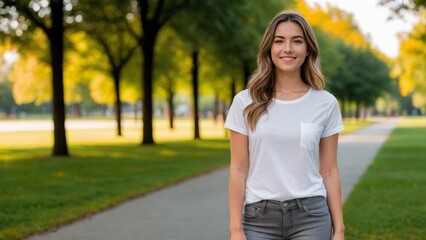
[(284, 180)]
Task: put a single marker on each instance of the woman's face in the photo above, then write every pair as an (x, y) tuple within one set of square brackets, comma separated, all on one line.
[(289, 48)]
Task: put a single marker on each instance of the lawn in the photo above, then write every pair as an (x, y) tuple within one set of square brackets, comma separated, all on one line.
[(389, 201), (40, 192), (352, 125)]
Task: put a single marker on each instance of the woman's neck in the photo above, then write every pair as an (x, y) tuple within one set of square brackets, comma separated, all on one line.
[(289, 82)]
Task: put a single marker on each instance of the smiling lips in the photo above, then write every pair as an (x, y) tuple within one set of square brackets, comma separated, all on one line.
[(287, 59)]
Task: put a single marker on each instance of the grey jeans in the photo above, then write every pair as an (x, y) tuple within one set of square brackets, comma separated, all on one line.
[(297, 219)]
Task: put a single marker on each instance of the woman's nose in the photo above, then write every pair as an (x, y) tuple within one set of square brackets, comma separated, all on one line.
[(287, 47)]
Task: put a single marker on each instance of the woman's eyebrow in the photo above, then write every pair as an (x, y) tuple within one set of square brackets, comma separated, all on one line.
[(298, 36)]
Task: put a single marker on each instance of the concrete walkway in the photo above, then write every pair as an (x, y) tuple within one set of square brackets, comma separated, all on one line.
[(198, 209)]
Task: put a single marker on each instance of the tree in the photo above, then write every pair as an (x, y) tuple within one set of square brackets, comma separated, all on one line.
[(198, 31), (172, 64), (361, 79), (8, 55), (400, 7), (330, 57), (107, 26), (189, 25), (6, 99), (153, 15), (357, 73), (334, 21), (411, 64), (49, 17), (30, 83), (374, 74), (237, 47), (231, 33)]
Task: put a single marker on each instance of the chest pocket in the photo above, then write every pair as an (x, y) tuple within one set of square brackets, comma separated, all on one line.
[(310, 134)]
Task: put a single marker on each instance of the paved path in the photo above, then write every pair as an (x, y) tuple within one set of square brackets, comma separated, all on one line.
[(197, 209), (357, 150)]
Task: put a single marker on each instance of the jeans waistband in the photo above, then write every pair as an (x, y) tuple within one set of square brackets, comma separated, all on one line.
[(292, 203)]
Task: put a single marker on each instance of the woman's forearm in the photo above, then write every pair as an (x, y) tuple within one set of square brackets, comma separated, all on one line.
[(334, 199), (236, 197), (237, 181), (329, 171)]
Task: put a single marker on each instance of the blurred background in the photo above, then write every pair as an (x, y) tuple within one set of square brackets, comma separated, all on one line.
[(86, 85), (142, 59)]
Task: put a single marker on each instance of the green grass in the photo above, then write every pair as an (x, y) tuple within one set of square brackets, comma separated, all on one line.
[(42, 192), (39, 192), (389, 201), (352, 125)]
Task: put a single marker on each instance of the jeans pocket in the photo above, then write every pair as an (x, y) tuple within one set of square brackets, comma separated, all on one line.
[(316, 207), (251, 210)]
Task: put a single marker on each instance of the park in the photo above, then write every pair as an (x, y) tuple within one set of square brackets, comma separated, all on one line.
[(112, 117)]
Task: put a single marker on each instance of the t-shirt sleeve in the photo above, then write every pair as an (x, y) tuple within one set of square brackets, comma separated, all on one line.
[(235, 119), (333, 123)]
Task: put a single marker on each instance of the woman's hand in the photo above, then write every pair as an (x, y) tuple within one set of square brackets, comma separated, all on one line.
[(339, 236), (238, 235)]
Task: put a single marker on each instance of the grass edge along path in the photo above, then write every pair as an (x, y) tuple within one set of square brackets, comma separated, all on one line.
[(40, 192), (389, 201)]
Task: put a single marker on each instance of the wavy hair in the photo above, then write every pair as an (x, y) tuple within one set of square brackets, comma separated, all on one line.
[(262, 82)]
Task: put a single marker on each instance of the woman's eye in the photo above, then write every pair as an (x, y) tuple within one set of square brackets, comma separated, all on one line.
[(297, 41), (278, 41)]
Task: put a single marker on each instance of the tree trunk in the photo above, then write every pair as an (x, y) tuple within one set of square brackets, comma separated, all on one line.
[(233, 91), (224, 111), (343, 102), (247, 73), (349, 106), (135, 111), (148, 59), (365, 111), (216, 107), (171, 107), (116, 76), (56, 39), (195, 93), (232, 95), (357, 110)]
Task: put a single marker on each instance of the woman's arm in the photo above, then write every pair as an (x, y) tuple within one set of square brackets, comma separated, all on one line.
[(237, 182), (329, 171)]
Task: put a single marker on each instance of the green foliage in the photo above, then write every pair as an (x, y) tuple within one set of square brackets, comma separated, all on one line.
[(356, 72), (362, 78), (400, 7), (411, 64), (228, 39), (225, 33), (330, 56), (388, 203), (172, 64)]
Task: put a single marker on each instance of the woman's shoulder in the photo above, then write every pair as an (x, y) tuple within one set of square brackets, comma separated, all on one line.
[(324, 95), (243, 96)]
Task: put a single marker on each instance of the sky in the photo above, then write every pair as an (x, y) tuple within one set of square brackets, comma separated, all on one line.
[(373, 22)]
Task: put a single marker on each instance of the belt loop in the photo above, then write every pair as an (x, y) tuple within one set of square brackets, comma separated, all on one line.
[(263, 209), (299, 204)]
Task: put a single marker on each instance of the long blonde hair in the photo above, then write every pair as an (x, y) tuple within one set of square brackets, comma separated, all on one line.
[(262, 82)]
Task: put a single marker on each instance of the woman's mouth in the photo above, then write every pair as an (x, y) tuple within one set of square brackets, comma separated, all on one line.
[(287, 59)]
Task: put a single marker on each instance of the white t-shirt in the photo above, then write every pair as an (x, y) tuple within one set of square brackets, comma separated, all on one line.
[(283, 150)]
